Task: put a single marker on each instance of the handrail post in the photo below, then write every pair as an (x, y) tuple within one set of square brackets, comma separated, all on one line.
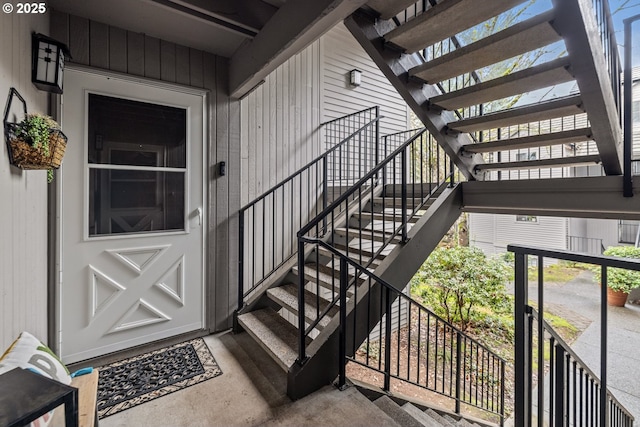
[(458, 370), (377, 137), (403, 191), (325, 187), (241, 261), (452, 181), (302, 350), (522, 406), (603, 348), (559, 386), (628, 105), (387, 341), (502, 384), (342, 351)]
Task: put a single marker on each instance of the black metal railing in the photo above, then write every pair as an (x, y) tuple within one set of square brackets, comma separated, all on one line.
[(268, 224), (568, 392), (610, 48), (411, 344), (587, 245), (365, 220)]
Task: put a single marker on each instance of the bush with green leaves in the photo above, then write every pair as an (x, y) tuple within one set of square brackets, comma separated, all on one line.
[(459, 282), (619, 279)]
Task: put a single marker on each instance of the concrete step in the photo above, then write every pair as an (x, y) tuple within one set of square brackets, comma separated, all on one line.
[(353, 254), (367, 250), (544, 163), (396, 202), (365, 234), (444, 20), (378, 216), (287, 296), (398, 414), (439, 418), (561, 107), (541, 76), (423, 417), (518, 39), (323, 276), (275, 335), (544, 140)]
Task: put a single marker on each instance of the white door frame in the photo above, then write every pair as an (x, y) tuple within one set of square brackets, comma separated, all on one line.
[(59, 188)]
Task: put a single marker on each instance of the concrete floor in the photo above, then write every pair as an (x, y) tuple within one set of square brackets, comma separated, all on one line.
[(250, 392)]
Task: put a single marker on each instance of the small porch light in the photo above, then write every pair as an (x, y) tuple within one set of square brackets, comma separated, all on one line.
[(47, 62), (355, 77)]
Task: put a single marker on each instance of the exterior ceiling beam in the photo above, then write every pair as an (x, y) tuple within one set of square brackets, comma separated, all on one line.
[(294, 26), (584, 197)]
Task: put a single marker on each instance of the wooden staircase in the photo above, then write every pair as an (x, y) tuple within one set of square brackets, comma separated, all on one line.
[(480, 143)]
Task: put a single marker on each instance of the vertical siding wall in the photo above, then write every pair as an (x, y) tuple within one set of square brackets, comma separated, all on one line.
[(23, 233), (102, 46), (342, 53)]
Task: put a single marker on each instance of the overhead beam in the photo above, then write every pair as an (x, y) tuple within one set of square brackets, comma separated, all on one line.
[(584, 197), (575, 20), (294, 26), (249, 14)]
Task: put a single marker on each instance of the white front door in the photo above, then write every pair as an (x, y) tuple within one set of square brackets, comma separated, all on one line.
[(130, 214)]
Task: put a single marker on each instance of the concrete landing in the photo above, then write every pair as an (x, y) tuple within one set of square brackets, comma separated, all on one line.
[(250, 392)]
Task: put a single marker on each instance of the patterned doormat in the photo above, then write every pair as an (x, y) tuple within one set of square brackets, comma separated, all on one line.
[(130, 382)]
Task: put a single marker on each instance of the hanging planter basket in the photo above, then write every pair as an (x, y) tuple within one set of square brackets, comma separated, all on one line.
[(24, 152)]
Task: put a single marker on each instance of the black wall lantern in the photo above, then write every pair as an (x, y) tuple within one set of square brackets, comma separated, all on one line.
[(47, 62)]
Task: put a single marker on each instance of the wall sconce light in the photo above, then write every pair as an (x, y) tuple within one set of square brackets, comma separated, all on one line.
[(47, 62), (355, 78)]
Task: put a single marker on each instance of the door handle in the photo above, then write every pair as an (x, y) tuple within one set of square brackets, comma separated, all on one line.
[(197, 213)]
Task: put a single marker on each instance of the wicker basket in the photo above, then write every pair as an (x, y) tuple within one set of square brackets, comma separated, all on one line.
[(22, 153), (24, 156)]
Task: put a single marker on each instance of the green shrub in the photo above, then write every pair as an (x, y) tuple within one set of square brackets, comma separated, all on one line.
[(457, 281), (619, 279)]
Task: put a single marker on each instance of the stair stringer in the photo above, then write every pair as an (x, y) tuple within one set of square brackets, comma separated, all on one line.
[(395, 66), (575, 21), (321, 366)]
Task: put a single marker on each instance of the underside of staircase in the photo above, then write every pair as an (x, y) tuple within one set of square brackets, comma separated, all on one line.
[(401, 44), (397, 42)]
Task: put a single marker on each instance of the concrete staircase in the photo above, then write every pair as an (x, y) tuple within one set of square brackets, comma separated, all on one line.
[(409, 415), (271, 316), (480, 142)]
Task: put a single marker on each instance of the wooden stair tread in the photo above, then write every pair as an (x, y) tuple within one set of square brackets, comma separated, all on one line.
[(444, 20), (275, 335), (543, 140), (287, 296), (518, 39), (527, 80), (561, 107), (534, 164)]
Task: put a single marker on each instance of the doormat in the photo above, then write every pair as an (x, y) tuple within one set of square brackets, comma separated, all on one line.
[(131, 382)]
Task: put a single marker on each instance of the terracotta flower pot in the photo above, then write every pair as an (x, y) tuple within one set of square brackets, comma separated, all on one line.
[(616, 298)]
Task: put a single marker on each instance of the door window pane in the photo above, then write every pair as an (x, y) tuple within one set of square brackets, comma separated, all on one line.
[(124, 201), (134, 133)]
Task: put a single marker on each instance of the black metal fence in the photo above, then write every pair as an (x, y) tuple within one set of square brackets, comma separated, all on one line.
[(587, 245), (628, 231), (268, 225), (413, 346), (568, 392)]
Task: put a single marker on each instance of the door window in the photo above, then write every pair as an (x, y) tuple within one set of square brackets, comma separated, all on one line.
[(137, 166)]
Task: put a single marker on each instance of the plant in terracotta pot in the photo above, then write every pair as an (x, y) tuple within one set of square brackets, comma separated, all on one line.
[(620, 281)]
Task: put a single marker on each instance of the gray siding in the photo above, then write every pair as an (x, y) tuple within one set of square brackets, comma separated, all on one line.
[(341, 54), (492, 233), (102, 46), (23, 235)]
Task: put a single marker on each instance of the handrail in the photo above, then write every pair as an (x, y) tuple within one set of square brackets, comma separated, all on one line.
[(564, 402), (387, 172), (462, 352), (267, 224)]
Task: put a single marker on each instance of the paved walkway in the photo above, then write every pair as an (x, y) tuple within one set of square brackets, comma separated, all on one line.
[(579, 302)]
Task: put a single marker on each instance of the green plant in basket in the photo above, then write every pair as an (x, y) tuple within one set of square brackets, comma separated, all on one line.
[(619, 279), (36, 129)]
